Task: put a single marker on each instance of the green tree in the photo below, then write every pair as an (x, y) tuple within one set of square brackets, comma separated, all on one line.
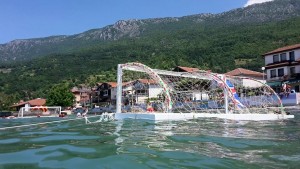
[(60, 95), (7, 100)]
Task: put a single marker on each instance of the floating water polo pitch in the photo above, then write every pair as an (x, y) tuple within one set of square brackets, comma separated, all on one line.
[(152, 94), (145, 93)]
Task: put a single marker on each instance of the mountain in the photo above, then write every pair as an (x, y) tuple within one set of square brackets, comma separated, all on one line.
[(218, 42), (276, 10), (20, 50)]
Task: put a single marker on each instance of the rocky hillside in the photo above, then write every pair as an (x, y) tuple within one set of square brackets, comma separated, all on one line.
[(270, 11), (19, 50)]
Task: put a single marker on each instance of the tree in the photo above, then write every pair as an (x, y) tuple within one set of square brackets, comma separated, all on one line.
[(60, 95), (7, 100)]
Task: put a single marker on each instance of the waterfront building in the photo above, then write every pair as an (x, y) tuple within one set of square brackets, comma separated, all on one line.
[(245, 73), (29, 103), (82, 95), (282, 66)]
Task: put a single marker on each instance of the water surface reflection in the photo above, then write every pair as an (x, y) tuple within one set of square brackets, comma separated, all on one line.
[(201, 143)]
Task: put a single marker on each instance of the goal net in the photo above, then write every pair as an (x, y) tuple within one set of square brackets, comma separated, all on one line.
[(143, 89), (41, 111)]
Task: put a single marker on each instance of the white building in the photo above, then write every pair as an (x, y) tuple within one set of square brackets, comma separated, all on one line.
[(137, 91), (283, 66), (145, 89), (240, 72)]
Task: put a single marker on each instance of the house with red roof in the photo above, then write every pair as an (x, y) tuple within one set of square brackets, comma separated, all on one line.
[(105, 92), (196, 94), (185, 69), (82, 95), (136, 91), (29, 103), (241, 72), (143, 89), (282, 65)]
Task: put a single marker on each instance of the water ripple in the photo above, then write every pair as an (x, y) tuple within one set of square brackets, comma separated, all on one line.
[(201, 143)]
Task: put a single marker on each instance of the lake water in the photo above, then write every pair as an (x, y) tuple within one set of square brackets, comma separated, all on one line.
[(202, 143)]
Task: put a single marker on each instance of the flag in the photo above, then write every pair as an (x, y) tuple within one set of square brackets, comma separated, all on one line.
[(235, 97), (222, 82)]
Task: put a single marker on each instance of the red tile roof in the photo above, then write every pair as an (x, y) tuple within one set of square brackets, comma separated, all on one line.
[(187, 69), (126, 83), (241, 71), (283, 49), (147, 81), (113, 84), (35, 102)]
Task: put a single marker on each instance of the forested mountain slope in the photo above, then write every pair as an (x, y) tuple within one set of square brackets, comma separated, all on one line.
[(218, 42), (27, 49)]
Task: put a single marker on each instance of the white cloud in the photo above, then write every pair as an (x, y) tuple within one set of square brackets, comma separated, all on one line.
[(251, 2)]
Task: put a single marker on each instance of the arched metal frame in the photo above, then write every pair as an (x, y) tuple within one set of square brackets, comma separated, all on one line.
[(155, 75)]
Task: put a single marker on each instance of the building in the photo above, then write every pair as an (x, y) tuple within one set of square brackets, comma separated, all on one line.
[(137, 91), (82, 96), (105, 93), (196, 94), (143, 89), (240, 72), (30, 103), (282, 65), (185, 69)]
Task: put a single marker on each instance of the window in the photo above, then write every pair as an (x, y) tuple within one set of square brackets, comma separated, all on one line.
[(283, 57), (275, 58), (105, 92), (292, 56), (292, 70), (273, 73), (297, 88), (141, 92), (280, 72), (139, 86)]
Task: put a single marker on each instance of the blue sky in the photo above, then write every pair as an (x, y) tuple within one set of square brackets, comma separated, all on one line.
[(23, 19)]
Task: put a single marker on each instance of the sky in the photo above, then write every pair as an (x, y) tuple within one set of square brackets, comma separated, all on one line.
[(24, 19)]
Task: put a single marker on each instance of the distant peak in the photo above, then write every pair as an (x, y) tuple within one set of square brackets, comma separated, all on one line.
[(251, 2)]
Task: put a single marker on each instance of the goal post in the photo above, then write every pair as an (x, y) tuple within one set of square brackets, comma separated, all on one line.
[(141, 89), (39, 111)]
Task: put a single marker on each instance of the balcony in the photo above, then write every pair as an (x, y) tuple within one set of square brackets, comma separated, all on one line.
[(277, 78)]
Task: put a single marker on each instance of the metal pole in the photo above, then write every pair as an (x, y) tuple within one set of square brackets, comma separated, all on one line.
[(263, 69), (226, 100), (119, 89)]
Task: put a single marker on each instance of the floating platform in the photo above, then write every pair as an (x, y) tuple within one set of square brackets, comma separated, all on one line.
[(188, 116)]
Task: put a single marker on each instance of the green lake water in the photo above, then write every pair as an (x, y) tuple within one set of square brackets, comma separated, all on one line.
[(201, 143)]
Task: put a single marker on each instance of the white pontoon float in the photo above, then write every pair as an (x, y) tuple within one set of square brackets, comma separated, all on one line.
[(152, 94)]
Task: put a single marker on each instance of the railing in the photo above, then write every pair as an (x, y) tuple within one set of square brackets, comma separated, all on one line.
[(285, 77)]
